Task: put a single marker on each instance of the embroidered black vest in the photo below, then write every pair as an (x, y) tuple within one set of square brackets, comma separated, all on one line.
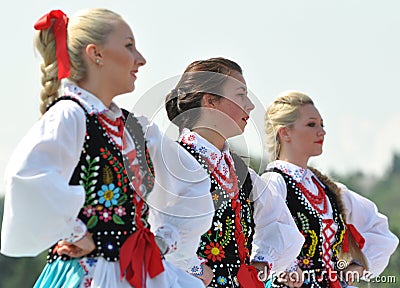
[(309, 223), (104, 173), (218, 245)]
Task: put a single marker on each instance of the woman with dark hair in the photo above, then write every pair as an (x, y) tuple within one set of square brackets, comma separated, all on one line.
[(252, 227)]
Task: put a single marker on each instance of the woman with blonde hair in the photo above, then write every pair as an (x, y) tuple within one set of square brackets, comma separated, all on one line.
[(78, 181), (345, 235)]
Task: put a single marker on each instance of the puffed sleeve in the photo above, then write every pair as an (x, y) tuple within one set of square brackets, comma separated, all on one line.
[(276, 237), (373, 226), (180, 202), (40, 206)]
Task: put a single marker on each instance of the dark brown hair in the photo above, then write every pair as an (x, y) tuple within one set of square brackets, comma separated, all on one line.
[(200, 78)]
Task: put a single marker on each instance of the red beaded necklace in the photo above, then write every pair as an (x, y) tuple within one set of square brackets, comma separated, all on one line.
[(119, 123), (315, 200)]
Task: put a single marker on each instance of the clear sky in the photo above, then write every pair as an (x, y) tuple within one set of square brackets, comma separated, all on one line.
[(344, 53)]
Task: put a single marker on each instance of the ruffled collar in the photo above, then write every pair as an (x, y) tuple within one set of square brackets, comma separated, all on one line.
[(299, 174), (203, 147), (208, 150)]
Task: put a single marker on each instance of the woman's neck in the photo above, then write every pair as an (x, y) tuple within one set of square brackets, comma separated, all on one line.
[(95, 89), (211, 136), (300, 161)]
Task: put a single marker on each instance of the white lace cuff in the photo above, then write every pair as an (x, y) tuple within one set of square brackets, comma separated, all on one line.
[(169, 237), (196, 266), (78, 231), (292, 267)]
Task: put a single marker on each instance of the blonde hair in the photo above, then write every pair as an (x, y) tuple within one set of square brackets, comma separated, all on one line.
[(91, 26), (283, 112)]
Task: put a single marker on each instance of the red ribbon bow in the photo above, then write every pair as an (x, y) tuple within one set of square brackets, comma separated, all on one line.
[(248, 277), (356, 235), (60, 33), (134, 263)]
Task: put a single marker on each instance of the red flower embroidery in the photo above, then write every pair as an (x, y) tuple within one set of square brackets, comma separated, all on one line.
[(88, 282), (214, 252)]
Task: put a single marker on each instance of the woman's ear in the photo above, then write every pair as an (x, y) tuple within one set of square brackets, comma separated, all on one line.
[(283, 134), (208, 101), (94, 54)]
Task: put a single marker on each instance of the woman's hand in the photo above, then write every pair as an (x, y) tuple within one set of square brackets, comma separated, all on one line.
[(207, 275), (263, 271), (77, 249)]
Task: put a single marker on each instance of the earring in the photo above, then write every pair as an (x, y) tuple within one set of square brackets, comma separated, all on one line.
[(97, 61)]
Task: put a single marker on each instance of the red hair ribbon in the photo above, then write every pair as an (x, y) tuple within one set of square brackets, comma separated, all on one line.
[(60, 33), (356, 235)]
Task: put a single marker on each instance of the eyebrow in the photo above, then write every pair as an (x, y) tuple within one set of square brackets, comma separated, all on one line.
[(315, 118), (130, 38), (242, 88)]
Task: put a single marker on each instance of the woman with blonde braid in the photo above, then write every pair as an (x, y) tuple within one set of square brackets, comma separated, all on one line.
[(345, 235), (78, 181)]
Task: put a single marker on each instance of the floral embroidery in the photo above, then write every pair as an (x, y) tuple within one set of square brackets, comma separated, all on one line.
[(305, 262), (196, 270), (117, 167), (91, 261), (105, 215), (305, 225), (309, 223), (88, 178), (225, 169), (120, 211), (215, 252), (228, 231), (215, 197), (219, 242), (222, 280), (314, 242), (217, 226), (203, 150), (109, 195), (88, 282), (89, 211), (213, 155)]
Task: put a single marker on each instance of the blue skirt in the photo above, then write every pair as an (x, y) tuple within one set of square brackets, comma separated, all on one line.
[(61, 274)]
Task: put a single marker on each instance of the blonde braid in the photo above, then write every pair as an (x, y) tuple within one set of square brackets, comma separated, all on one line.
[(46, 45)]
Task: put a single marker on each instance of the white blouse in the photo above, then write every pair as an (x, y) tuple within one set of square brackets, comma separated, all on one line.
[(41, 207), (276, 238), (380, 243)]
